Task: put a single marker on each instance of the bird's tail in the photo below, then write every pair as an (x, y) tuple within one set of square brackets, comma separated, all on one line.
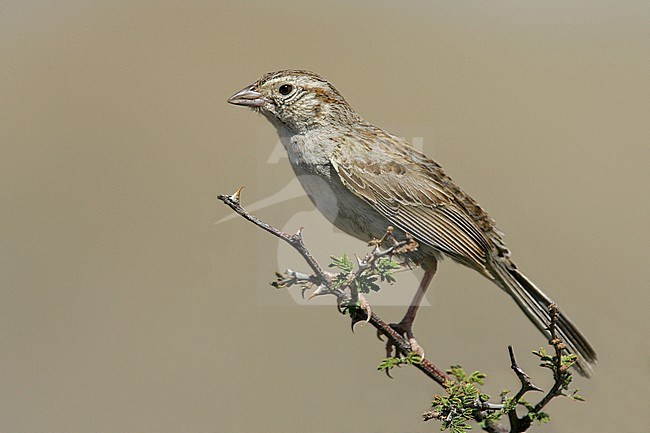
[(535, 304)]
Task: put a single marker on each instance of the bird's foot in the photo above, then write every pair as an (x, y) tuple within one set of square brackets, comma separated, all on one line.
[(361, 313), (405, 330), (365, 306)]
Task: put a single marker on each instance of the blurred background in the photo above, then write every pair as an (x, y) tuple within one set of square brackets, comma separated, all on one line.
[(125, 308)]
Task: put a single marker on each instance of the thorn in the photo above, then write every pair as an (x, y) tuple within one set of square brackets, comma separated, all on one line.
[(298, 234), (320, 290), (379, 335), (534, 387), (354, 321), (237, 194)]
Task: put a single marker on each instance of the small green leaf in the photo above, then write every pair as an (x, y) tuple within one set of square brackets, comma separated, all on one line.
[(477, 377), (540, 417), (343, 263)]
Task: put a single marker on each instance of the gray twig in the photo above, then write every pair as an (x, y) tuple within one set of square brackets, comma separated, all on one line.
[(296, 242)]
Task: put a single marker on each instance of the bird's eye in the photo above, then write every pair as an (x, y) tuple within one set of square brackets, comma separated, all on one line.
[(285, 89)]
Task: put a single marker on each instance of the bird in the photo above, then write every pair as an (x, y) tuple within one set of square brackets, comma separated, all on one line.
[(364, 179)]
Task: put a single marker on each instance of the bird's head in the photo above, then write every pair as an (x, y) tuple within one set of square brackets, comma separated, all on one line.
[(298, 100)]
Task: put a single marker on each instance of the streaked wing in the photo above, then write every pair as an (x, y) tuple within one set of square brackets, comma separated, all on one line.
[(414, 194)]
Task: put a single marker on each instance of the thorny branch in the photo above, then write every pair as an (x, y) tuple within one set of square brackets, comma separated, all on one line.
[(560, 370), (559, 364), (323, 280), (482, 411), (526, 386)]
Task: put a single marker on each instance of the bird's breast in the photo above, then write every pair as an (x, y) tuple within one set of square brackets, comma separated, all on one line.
[(310, 158), (346, 211)]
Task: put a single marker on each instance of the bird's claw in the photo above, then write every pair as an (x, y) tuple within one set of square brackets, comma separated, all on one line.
[(357, 316), (416, 348), (405, 331)]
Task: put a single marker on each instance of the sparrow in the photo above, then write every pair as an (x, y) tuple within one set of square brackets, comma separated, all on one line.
[(364, 179)]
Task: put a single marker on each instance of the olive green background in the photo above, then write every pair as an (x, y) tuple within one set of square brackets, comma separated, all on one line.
[(125, 308)]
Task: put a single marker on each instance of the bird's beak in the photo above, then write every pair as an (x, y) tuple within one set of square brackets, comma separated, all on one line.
[(247, 97)]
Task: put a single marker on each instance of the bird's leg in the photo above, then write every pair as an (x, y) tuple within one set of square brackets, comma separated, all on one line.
[(405, 326)]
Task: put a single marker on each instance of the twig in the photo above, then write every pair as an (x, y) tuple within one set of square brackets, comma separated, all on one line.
[(560, 373), (519, 424), (296, 242), (559, 370)]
